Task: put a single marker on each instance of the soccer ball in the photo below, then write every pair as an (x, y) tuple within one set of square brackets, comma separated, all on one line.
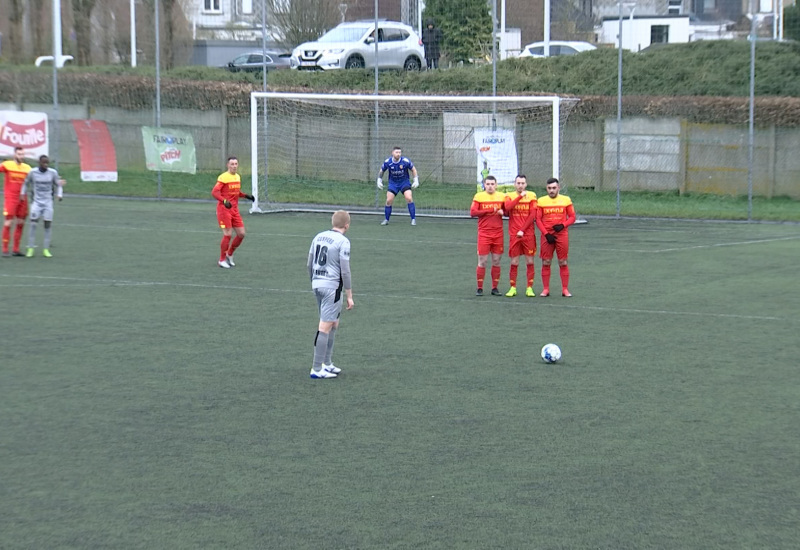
[(551, 353)]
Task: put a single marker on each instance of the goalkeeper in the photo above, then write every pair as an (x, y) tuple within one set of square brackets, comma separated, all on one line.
[(399, 168)]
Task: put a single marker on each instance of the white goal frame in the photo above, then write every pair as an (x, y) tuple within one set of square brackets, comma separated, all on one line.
[(553, 101)]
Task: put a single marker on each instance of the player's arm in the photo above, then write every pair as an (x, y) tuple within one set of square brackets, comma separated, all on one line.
[(509, 204), (540, 222), (310, 262), (218, 193), (24, 189), (476, 211), (570, 212), (347, 280), (530, 221), (246, 196)]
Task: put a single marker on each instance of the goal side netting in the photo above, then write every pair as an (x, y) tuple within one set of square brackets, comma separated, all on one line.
[(324, 151)]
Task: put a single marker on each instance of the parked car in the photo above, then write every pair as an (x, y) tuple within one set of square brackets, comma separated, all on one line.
[(253, 62), (352, 46), (557, 47)]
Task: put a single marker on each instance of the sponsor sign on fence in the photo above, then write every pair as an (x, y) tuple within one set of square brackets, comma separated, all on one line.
[(23, 129), (497, 156), (169, 150)]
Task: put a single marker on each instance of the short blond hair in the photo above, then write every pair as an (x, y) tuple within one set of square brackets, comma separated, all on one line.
[(340, 219)]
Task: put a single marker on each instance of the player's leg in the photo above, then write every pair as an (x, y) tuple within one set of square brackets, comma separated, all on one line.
[(497, 256), (35, 214), (513, 266), (238, 229), (9, 209), (412, 210), (387, 209), (329, 303), (47, 216), (562, 251), (480, 271), (224, 221), (327, 363), (21, 214), (546, 251), (530, 272)]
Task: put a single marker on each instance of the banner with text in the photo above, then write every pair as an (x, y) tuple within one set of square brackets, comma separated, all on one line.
[(497, 156), (23, 129), (98, 156), (169, 150)]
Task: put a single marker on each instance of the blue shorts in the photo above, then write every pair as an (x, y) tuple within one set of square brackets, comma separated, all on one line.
[(399, 188)]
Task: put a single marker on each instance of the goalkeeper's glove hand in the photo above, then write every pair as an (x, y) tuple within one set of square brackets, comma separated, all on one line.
[(558, 227), (226, 203), (549, 237), (380, 183), (415, 184), (250, 198)]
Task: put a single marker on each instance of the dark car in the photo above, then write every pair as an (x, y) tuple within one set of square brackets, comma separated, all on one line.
[(254, 62)]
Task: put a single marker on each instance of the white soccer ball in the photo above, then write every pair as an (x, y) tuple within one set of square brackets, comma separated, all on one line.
[(551, 353)]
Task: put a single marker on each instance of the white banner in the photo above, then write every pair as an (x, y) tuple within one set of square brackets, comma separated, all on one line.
[(497, 156), (23, 129)]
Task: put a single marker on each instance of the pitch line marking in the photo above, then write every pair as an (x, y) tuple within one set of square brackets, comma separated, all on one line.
[(695, 247), (119, 282)]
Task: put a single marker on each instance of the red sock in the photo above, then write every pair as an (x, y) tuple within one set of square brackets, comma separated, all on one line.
[(480, 273), (545, 277), (6, 238), (564, 271), (512, 275), (17, 236), (237, 240), (531, 274), (223, 247), (495, 276)]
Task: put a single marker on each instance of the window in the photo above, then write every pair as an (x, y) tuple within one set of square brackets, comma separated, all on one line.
[(391, 35), (659, 34), (539, 50), (212, 6), (675, 7), (566, 50)]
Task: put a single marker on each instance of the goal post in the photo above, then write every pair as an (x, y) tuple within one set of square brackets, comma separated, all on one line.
[(312, 151)]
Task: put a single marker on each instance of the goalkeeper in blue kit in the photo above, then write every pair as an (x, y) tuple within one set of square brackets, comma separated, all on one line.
[(400, 169)]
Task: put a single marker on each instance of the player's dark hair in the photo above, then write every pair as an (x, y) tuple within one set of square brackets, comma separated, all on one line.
[(230, 159), (18, 148), (487, 178), (43, 157), (396, 149), (552, 180), (523, 176)]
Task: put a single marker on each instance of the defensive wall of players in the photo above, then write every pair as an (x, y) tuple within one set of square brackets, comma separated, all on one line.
[(663, 154)]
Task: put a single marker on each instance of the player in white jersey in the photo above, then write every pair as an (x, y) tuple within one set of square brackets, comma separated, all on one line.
[(329, 269), (44, 185)]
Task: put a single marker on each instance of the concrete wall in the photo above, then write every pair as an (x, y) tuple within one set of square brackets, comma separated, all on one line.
[(666, 154)]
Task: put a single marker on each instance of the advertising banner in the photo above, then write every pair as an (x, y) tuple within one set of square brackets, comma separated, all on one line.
[(98, 156), (23, 129), (169, 150), (497, 156)]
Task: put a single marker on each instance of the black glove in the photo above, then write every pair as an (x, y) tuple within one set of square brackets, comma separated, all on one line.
[(226, 203), (549, 237), (250, 198), (558, 227)]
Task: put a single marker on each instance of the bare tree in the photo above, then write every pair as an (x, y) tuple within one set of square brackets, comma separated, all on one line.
[(40, 22), (298, 21), (82, 12), (15, 17)]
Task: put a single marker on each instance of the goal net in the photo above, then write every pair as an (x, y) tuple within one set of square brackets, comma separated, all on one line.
[(324, 151)]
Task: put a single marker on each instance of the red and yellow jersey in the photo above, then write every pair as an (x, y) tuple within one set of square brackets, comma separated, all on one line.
[(551, 212), (521, 212), (485, 208), (15, 176), (228, 187)]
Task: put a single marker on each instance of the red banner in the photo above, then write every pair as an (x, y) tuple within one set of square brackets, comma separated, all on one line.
[(98, 156)]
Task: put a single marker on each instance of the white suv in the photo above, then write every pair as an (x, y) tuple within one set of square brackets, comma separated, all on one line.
[(557, 47), (352, 46)]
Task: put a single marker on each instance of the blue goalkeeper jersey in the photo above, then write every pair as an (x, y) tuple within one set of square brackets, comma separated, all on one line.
[(398, 171)]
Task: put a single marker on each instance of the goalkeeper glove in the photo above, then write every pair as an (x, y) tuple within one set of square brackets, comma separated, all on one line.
[(415, 184), (380, 183), (550, 238), (250, 198), (226, 203), (558, 227)]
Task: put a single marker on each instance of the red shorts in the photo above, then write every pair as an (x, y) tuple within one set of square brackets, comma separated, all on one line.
[(15, 208), (524, 246), (229, 217), (561, 247), (490, 245)]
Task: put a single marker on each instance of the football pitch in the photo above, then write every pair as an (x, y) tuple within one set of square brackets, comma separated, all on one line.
[(149, 399)]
